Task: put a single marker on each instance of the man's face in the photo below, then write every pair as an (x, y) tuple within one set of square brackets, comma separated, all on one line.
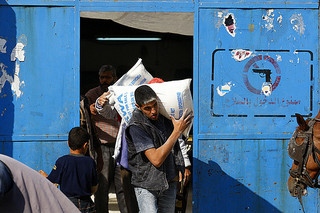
[(151, 110), (106, 79)]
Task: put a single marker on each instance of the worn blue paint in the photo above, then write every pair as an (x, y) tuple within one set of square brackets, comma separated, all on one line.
[(245, 176), (240, 159), (36, 122)]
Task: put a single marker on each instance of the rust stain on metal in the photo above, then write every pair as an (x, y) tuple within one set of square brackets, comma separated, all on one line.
[(251, 28)]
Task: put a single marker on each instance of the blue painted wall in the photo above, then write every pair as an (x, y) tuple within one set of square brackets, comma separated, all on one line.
[(240, 159), (39, 82), (240, 136)]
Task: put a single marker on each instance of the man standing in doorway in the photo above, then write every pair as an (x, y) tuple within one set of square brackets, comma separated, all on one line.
[(106, 129)]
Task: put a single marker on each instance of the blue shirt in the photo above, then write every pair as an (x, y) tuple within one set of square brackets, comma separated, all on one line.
[(75, 174), (123, 155)]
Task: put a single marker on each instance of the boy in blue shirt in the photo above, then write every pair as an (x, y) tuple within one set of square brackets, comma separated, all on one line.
[(76, 173)]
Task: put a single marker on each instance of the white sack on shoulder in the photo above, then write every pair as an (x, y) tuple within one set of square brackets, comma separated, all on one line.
[(137, 75), (174, 98)]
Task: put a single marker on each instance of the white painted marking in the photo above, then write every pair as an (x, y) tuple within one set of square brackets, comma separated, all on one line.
[(5, 77), (298, 23), (224, 89), (240, 54), (16, 84), (269, 17), (3, 48), (279, 19), (266, 88), (279, 58), (18, 52)]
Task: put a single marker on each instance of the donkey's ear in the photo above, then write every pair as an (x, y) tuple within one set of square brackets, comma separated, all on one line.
[(302, 123)]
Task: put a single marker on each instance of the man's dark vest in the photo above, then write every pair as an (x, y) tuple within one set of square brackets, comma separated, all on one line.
[(144, 173)]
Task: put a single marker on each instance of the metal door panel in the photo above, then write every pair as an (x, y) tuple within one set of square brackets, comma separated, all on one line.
[(245, 176), (39, 80), (230, 93)]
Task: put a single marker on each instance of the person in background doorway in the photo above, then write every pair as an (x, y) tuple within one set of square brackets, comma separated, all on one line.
[(154, 157), (76, 173), (94, 149), (106, 129)]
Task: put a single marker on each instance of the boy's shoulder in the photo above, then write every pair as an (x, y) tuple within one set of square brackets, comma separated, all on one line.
[(72, 157)]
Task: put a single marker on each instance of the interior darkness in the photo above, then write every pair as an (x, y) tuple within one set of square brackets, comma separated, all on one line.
[(169, 59)]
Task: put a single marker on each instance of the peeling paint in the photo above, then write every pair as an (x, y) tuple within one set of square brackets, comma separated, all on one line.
[(240, 54), (3, 48), (279, 19), (15, 81), (266, 88), (220, 14), (224, 89), (230, 24), (269, 18), (220, 18), (16, 84), (4, 77), (17, 55), (18, 52), (279, 58), (298, 23)]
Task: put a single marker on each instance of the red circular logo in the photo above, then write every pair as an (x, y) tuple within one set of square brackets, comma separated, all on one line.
[(252, 64)]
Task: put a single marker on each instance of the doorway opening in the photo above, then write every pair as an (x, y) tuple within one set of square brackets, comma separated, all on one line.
[(102, 41), (170, 58)]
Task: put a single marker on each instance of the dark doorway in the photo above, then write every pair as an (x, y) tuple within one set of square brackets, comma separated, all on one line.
[(170, 58)]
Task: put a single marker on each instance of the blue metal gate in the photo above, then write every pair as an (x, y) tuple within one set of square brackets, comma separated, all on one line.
[(257, 64), (257, 67), (39, 83)]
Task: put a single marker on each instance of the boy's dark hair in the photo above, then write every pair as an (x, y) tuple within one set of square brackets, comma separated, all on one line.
[(78, 136), (108, 68), (144, 94)]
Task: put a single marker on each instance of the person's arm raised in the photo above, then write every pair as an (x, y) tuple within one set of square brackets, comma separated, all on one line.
[(158, 156)]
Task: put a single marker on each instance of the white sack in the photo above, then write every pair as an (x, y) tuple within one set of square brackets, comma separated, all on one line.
[(174, 98), (137, 75)]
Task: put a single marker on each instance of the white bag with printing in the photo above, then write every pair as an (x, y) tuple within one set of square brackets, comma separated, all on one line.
[(137, 75), (174, 98)]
